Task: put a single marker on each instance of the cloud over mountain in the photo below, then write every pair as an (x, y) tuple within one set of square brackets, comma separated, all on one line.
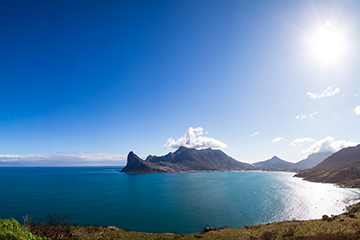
[(328, 144), (193, 139), (63, 159), (326, 93), (301, 141)]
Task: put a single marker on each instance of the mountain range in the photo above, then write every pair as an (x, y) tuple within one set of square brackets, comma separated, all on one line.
[(190, 159), (277, 164), (342, 167), (185, 160)]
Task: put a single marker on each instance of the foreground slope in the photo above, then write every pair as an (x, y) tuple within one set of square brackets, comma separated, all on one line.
[(11, 229), (344, 226), (183, 160), (343, 168)]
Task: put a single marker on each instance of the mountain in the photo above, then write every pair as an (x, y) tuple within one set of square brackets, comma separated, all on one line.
[(183, 160), (342, 167), (136, 164), (312, 160), (275, 164)]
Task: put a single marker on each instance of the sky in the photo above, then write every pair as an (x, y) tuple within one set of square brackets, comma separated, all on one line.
[(86, 82)]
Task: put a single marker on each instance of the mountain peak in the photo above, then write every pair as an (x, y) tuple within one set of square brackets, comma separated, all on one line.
[(183, 148), (275, 163), (136, 164)]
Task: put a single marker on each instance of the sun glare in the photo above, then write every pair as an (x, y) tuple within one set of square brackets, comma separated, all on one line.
[(328, 45)]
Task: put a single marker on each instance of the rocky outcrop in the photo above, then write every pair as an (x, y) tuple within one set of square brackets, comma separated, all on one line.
[(137, 165)]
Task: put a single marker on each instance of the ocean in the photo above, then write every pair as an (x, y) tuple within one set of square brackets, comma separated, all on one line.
[(175, 203)]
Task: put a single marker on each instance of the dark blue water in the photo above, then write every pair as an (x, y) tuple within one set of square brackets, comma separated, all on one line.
[(182, 203)]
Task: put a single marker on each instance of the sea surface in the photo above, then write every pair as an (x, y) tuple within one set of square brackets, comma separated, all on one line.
[(180, 202)]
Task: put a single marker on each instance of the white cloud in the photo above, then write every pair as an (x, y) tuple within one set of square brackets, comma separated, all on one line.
[(328, 144), (301, 116), (254, 134), (301, 141), (357, 110), (326, 93), (278, 139), (64, 159), (311, 115), (193, 139)]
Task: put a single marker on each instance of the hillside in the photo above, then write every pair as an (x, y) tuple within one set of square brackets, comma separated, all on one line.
[(183, 160), (343, 226), (342, 167)]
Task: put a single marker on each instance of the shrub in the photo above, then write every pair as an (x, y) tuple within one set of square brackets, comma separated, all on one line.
[(53, 227)]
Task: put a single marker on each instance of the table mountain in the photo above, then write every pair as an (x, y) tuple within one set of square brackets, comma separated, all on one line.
[(185, 160)]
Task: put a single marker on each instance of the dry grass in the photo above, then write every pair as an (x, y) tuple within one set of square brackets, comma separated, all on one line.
[(344, 226)]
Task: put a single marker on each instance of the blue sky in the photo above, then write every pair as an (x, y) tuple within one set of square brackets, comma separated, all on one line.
[(111, 77)]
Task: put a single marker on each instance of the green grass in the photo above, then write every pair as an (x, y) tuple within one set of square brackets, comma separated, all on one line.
[(12, 230)]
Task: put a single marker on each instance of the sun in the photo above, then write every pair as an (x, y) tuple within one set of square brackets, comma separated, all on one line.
[(328, 45)]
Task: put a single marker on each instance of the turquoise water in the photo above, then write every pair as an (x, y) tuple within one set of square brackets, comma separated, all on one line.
[(182, 203)]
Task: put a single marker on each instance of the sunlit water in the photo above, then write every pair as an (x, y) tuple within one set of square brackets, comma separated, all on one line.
[(179, 203)]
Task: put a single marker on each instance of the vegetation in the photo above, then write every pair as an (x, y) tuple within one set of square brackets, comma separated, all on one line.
[(12, 230), (53, 227), (344, 226)]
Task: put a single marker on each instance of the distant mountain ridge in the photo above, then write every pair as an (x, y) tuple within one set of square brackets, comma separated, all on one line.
[(274, 164), (277, 164), (342, 167), (185, 160), (312, 160), (189, 159)]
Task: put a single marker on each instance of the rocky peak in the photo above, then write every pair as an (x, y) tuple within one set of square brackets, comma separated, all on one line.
[(132, 157)]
